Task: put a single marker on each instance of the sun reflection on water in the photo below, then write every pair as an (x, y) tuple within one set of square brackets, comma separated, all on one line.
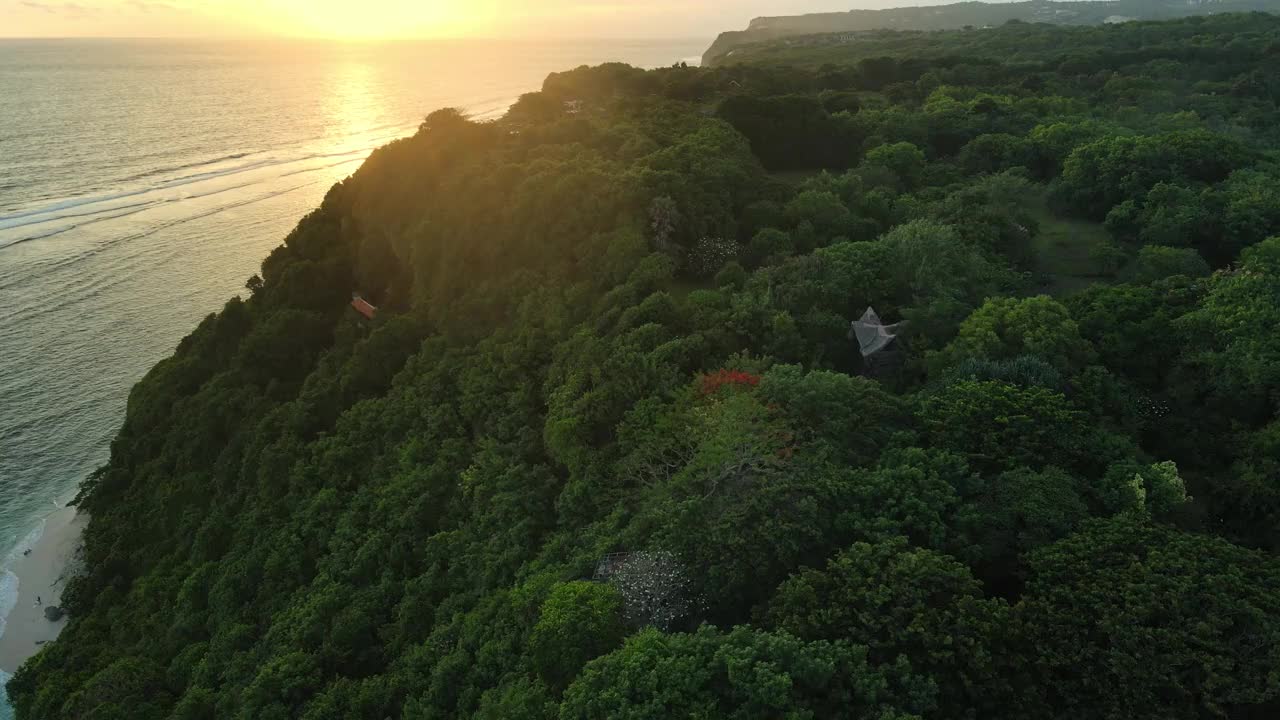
[(354, 104)]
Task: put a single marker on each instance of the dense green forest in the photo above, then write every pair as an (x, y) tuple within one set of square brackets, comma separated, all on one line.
[(609, 450)]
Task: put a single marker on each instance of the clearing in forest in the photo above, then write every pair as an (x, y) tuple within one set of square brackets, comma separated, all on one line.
[(1065, 252)]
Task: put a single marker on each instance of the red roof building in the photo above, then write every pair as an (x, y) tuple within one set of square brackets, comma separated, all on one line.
[(363, 307)]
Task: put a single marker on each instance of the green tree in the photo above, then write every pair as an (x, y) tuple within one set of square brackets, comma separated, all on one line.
[(853, 415), (1008, 328), (1237, 330), (908, 603), (914, 493), (1052, 143), (1133, 327), (1251, 213), (1157, 263), (898, 165), (1003, 427), (1101, 174), (993, 153), (1246, 501), (1020, 510), (1102, 605), (742, 674), (769, 245), (579, 621), (129, 687), (825, 211)]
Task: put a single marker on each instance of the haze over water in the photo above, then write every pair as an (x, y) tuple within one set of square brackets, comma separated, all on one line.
[(141, 184)]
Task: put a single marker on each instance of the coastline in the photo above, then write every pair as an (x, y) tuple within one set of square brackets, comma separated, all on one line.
[(41, 574)]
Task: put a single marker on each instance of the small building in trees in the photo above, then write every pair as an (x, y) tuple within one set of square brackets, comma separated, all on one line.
[(363, 306), (609, 564), (878, 343)]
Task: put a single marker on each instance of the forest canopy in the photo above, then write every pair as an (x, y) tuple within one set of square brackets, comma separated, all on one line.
[(609, 448)]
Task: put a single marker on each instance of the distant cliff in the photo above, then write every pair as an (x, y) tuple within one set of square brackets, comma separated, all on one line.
[(977, 14)]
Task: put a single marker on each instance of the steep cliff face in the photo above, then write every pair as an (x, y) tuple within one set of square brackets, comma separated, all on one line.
[(727, 42), (977, 14)]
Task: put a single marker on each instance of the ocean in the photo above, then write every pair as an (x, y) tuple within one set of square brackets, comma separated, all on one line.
[(143, 181)]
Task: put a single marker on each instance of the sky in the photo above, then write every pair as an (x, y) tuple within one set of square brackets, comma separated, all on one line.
[(371, 19)]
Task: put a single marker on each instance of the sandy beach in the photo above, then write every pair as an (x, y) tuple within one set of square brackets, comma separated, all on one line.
[(41, 575)]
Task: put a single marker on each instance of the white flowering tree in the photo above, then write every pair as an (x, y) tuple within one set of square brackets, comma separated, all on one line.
[(655, 588), (710, 254)]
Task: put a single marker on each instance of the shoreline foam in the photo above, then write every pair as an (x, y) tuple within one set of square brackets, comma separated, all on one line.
[(41, 573)]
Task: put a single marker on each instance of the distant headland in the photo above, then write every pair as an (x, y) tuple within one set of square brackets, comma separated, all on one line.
[(976, 14)]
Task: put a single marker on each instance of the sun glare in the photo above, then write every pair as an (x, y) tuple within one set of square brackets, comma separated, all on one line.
[(381, 19)]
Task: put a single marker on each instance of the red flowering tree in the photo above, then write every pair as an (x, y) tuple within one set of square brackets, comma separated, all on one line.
[(713, 382)]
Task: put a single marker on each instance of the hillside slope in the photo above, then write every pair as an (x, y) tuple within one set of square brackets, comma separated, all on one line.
[(971, 14), (608, 447)]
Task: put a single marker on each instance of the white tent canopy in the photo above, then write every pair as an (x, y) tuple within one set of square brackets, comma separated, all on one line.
[(872, 334)]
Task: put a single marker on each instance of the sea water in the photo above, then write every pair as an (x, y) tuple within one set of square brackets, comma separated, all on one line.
[(141, 184)]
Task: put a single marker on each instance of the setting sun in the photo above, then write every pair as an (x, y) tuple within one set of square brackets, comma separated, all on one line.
[(386, 19), (375, 19)]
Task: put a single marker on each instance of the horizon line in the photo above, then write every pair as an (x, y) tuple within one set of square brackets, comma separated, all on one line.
[(356, 41)]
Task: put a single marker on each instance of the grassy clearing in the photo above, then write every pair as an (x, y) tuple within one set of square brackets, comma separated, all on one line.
[(1064, 252)]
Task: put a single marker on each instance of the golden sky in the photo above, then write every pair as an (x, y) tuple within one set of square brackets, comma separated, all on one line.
[(371, 19)]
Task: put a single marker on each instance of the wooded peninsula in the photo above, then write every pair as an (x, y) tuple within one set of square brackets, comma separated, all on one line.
[(609, 431)]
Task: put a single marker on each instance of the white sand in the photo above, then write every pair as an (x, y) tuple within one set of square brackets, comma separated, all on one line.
[(40, 574)]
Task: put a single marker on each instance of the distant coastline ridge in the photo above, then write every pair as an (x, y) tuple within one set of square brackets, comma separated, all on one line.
[(976, 14)]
